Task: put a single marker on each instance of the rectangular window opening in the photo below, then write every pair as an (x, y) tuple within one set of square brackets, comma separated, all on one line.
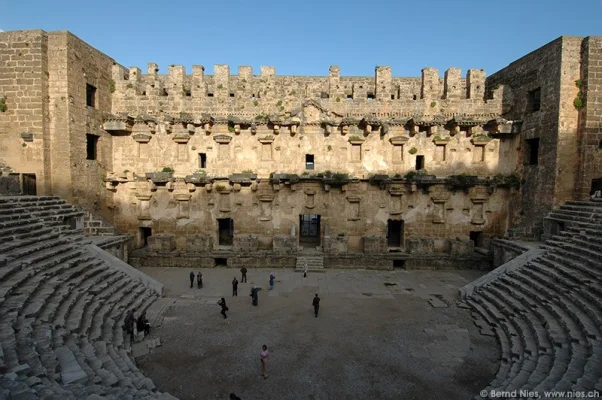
[(532, 153), (91, 146), (202, 160), (90, 95), (309, 161), (349, 97), (419, 163), (399, 264), (209, 94), (370, 96), (534, 100), (231, 94)]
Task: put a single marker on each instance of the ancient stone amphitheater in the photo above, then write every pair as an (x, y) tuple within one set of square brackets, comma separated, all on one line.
[(547, 312), (62, 309)]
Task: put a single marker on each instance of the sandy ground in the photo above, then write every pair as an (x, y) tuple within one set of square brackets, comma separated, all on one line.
[(404, 340)]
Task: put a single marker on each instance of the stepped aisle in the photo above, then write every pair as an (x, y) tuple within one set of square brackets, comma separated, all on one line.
[(547, 313), (62, 308)]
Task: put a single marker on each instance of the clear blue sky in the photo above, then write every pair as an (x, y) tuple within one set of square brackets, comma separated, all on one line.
[(306, 37)]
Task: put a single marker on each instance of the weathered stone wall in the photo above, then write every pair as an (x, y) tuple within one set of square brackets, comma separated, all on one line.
[(552, 69), (266, 151), (375, 244), (356, 209), (24, 91), (267, 123), (199, 243), (335, 244), (73, 65), (162, 243), (590, 116), (245, 243), (246, 95)]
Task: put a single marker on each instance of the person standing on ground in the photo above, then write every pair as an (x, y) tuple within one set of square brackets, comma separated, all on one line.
[(243, 270), (264, 361), (305, 270), (199, 280), (191, 279), (222, 304), (272, 277), (255, 295), (235, 287), (316, 304)]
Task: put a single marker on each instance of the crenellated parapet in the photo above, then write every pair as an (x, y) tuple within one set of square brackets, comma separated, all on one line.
[(268, 93)]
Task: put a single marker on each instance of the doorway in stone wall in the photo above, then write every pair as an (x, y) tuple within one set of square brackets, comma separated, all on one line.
[(309, 230), (29, 184), (145, 233), (596, 185), (394, 233), (226, 231)]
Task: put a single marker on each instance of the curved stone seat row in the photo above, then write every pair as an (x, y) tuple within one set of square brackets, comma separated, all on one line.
[(62, 309), (547, 314)]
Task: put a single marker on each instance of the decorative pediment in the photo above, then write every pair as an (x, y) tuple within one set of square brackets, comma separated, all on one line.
[(181, 138), (142, 138), (398, 140), (481, 140), (312, 112), (222, 139)]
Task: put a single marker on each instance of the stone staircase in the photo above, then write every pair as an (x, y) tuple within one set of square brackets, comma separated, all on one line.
[(547, 314), (62, 309), (313, 262)]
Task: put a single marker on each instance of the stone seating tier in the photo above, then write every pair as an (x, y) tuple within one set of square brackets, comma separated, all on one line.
[(547, 314), (62, 309)]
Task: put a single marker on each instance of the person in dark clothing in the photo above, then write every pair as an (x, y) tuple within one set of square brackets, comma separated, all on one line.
[(222, 303), (316, 304), (191, 279), (272, 278), (142, 324), (243, 270), (234, 397), (254, 295), (130, 320), (199, 280), (235, 287)]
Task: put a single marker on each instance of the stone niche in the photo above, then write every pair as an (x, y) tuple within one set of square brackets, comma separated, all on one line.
[(285, 244), (375, 244), (162, 242), (335, 244), (199, 243), (245, 243), (420, 245), (460, 247)]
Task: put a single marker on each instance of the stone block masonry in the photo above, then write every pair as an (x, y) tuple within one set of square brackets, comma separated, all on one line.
[(433, 157)]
